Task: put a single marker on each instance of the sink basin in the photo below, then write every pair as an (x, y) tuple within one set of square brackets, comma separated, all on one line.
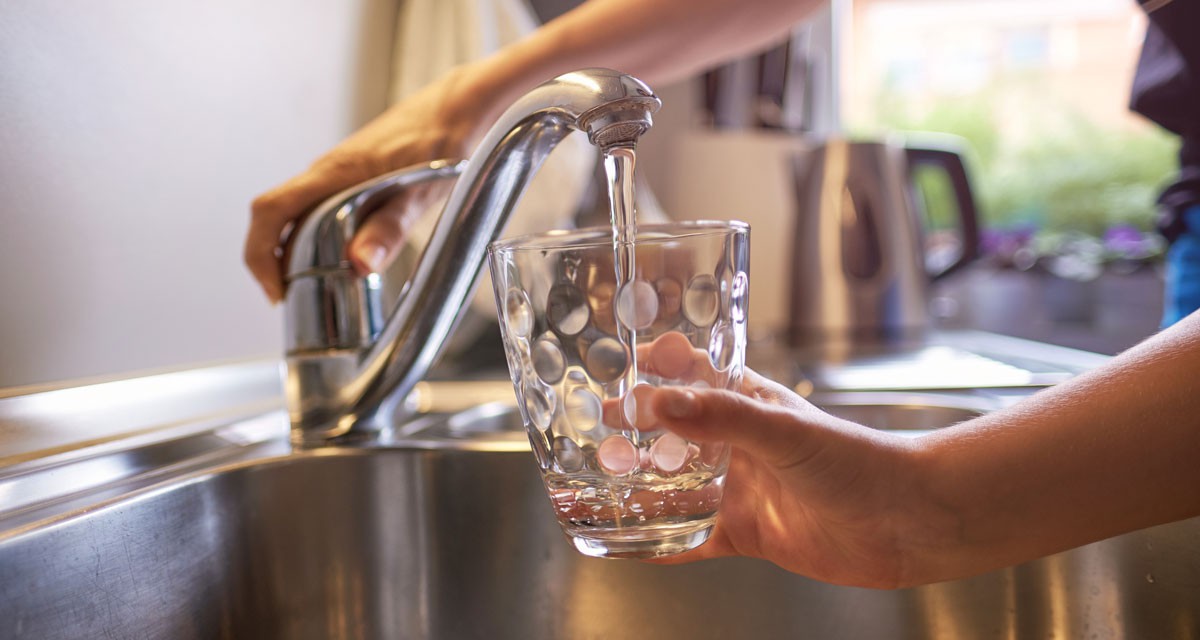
[(449, 535), (908, 413)]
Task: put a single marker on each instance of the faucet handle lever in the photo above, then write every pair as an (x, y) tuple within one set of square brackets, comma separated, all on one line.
[(328, 306), (320, 242)]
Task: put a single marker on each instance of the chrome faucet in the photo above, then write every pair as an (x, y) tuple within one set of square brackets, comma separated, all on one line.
[(349, 367)]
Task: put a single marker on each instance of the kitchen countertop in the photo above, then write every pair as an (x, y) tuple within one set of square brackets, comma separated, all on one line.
[(50, 422)]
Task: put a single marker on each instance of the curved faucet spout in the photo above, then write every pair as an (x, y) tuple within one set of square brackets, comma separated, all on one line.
[(339, 392)]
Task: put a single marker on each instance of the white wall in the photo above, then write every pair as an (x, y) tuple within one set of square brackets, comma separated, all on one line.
[(133, 135)]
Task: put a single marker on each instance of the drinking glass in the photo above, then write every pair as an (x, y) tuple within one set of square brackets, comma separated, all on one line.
[(586, 347)]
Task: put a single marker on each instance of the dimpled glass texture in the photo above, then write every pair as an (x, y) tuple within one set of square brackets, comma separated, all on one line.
[(581, 351)]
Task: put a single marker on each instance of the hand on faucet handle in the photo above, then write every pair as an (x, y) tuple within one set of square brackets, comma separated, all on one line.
[(442, 120)]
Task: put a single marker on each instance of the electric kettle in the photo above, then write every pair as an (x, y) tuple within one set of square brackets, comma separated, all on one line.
[(860, 260)]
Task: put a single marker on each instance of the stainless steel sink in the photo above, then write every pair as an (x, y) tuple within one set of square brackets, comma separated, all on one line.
[(908, 413), (449, 534)]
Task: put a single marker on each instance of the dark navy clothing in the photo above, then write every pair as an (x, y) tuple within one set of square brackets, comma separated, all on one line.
[(1182, 294), (1166, 89)]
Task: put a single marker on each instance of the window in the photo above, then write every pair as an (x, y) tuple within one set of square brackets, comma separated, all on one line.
[(1038, 93), (1065, 175)]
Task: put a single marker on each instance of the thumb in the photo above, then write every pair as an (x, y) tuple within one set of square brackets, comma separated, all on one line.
[(778, 435), (381, 237)]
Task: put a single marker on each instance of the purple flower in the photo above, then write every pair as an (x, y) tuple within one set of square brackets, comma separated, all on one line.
[(1127, 240), (1006, 241)]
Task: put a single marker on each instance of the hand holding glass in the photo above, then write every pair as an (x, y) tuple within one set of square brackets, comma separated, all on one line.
[(586, 348)]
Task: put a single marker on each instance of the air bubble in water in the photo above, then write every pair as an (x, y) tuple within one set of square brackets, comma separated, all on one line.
[(567, 454), (606, 359), (539, 406), (617, 455), (700, 301), (518, 314), (670, 299), (738, 297), (548, 359), (669, 452), (637, 304), (567, 309), (721, 347), (582, 408), (725, 286)]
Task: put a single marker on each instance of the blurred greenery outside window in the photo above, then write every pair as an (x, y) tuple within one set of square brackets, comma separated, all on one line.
[(1051, 180)]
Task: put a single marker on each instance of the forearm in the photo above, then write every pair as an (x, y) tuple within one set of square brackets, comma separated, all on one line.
[(1112, 451), (657, 41)]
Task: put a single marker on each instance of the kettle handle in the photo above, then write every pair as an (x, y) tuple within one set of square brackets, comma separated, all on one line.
[(951, 162)]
